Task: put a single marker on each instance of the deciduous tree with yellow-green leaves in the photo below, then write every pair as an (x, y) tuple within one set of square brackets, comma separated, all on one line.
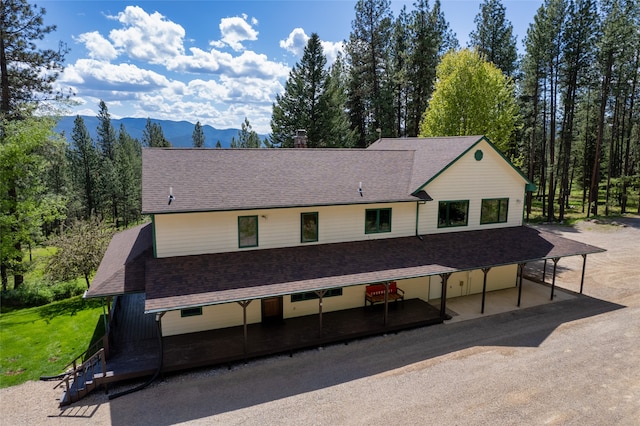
[(471, 97)]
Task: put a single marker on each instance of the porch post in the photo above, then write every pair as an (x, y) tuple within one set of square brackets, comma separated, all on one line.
[(443, 295), (544, 270), (584, 264), (521, 269), (553, 281), (244, 304), (320, 294), (386, 302), (485, 271)]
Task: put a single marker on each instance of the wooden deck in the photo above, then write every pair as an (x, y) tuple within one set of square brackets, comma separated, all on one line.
[(139, 357)]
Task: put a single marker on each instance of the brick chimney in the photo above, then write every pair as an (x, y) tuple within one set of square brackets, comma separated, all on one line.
[(300, 139)]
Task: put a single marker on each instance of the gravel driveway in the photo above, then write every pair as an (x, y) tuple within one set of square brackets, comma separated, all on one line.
[(570, 362)]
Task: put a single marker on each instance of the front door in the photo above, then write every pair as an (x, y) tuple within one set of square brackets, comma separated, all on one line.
[(272, 309)]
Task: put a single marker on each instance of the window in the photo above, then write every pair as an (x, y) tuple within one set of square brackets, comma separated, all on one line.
[(310, 295), (191, 312), (377, 220), (308, 227), (494, 210), (247, 231), (453, 213)]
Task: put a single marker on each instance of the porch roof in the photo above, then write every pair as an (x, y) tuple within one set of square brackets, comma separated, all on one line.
[(187, 281)]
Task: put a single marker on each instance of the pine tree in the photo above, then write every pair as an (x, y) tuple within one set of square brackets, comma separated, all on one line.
[(198, 136), (153, 137), (27, 73), (129, 173), (303, 105), (431, 38), (106, 141), (247, 137), (493, 37), (370, 88), (85, 162)]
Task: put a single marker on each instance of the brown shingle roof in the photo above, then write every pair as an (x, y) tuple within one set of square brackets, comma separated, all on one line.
[(234, 179), (122, 269), (179, 282)]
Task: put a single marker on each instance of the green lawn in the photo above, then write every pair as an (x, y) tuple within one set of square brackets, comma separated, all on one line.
[(40, 341)]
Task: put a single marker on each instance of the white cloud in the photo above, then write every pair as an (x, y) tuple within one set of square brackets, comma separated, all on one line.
[(216, 62), (98, 46), (298, 39), (331, 50), (234, 31), (110, 77), (150, 38), (295, 42)]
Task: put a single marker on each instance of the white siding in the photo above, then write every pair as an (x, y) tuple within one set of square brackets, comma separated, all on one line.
[(468, 179), (213, 317), (216, 232), (470, 282)]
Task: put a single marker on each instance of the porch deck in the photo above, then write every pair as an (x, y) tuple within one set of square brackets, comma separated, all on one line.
[(224, 346)]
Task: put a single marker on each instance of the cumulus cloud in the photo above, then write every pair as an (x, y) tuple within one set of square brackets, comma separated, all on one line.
[(99, 47), (298, 39), (234, 31), (222, 63), (148, 37), (295, 42), (123, 77)]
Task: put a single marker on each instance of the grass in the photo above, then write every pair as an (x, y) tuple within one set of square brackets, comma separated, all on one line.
[(41, 341)]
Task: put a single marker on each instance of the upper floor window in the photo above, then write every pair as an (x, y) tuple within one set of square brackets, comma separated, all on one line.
[(191, 312), (247, 231), (453, 213), (377, 220), (309, 227), (494, 210)]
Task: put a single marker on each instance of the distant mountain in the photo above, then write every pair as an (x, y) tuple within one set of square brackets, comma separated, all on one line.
[(177, 132)]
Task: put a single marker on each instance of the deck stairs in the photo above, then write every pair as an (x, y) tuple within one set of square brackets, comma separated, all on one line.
[(81, 379)]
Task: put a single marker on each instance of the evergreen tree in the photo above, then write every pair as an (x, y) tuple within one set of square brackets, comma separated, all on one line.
[(85, 163), (153, 137), (27, 72), (247, 137), (431, 38), (218, 144), (493, 37), (198, 136), (471, 97), (129, 173), (370, 88), (304, 103), (105, 143), (332, 104)]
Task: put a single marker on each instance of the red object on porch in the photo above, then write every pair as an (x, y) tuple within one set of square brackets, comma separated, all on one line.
[(374, 293)]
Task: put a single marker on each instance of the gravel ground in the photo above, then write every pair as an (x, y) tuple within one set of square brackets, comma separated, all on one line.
[(571, 362)]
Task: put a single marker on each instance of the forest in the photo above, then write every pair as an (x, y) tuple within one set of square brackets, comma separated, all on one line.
[(564, 110)]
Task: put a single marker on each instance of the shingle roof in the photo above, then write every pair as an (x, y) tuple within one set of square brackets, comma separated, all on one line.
[(180, 282), (122, 269), (234, 179), (432, 155)]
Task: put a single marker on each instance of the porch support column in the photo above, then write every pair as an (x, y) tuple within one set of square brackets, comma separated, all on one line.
[(584, 265), (443, 296), (521, 270), (320, 294), (553, 281), (544, 271), (386, 302), (485, 271), (244, 304)]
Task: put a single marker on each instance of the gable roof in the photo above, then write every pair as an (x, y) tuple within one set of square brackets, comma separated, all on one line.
[(390, 170), (236, 179), (122, 269), (434, 155)]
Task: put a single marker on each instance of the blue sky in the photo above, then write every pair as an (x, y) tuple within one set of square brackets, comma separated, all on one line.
[(216, 62)]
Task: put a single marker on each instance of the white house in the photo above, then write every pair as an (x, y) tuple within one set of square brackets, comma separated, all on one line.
[(245, 236)]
